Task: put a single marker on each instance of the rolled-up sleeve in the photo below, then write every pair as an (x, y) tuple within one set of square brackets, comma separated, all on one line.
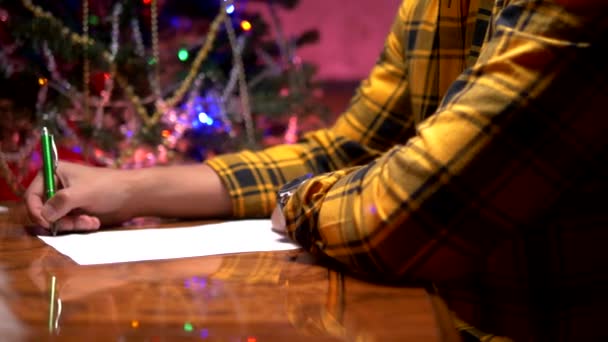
[(504, 144), (378, 112)]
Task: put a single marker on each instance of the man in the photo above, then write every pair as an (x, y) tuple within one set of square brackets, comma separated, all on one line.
[(471, 158)]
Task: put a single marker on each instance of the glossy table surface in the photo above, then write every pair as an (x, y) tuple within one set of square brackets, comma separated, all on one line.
[(270, 296)]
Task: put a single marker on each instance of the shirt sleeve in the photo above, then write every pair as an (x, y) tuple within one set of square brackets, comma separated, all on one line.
[(362, 133), (501, 148)]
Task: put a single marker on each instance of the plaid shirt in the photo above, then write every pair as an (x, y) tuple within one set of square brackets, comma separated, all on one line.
[(470, 157)]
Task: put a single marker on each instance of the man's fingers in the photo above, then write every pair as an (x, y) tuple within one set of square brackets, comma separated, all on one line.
[(64, 201), (78, 223), (34, 210), (34, 202), (278, 221)]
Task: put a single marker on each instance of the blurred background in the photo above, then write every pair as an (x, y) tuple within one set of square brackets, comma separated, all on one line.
[(140, 83), (351, 34)]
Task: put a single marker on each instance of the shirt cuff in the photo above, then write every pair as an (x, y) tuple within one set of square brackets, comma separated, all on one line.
[(251, 191), (301, 211)]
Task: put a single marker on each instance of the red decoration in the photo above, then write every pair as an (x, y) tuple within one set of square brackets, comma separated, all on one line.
[(35, 162), (98, 82)]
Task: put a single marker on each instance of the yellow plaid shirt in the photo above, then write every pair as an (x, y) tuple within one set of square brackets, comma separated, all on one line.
[(472, 157)]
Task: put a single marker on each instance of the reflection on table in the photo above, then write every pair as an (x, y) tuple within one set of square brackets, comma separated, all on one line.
[(270, 296)]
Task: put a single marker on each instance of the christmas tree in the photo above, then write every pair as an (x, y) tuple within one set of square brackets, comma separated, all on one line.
[(135, 83)]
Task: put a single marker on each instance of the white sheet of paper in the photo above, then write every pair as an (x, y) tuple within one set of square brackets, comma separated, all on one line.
[(104, 247)]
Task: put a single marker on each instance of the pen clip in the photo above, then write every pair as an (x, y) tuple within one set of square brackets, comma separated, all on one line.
[(55, 155)]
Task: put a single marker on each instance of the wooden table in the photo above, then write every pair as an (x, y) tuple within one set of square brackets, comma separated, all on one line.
[(278, 296)]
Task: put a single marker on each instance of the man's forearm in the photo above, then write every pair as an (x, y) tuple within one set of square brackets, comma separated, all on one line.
[(177, 191)]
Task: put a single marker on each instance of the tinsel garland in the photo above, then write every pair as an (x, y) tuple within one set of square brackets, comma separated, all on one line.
[(147, 119)]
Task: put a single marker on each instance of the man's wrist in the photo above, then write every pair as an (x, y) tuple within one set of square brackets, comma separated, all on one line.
[(287, 190), (136, 183), (177, 191)]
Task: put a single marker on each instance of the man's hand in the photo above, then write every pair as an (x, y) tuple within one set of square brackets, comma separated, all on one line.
[(92, 196), (278, 221), (89, 197)]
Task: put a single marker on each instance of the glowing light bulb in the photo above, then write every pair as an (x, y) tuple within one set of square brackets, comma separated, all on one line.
[(94, 20), (230, 9), (3, 15), (188, 327), (183, 54), (204, 118), (42, 81), (246, 25)]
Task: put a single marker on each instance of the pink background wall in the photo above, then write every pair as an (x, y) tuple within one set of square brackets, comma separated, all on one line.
[(352, 34)]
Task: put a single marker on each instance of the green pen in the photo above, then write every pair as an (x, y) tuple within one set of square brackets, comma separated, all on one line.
[(49, 159)]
